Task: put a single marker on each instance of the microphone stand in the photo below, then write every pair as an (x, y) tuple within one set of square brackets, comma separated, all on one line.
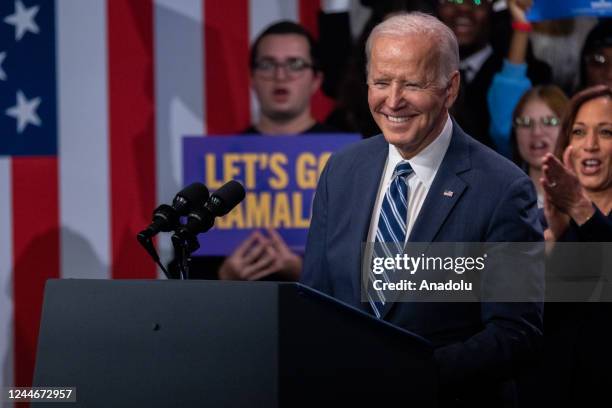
[(147, 244), (184, 246)]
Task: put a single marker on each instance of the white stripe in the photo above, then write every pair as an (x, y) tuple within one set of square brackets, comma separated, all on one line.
[(179, 93), (6, 275), (83, 138), (262, 13)]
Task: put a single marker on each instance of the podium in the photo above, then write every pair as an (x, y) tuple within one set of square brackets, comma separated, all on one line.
[(223, 344)]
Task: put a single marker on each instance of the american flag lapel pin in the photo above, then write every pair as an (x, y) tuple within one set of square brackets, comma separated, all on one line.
[(448, 193)]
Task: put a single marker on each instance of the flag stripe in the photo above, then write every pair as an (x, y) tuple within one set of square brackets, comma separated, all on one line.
[(178, 93), (320, 104), (227, 75), (132, 133), (35, 251), (309, 10), (83, 132), (6, 272)]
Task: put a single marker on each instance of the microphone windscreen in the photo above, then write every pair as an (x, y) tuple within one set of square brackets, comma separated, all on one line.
[(226, 197), (194, 195)]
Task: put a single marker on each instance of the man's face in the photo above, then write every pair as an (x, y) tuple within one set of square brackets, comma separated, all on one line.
[(283, 78), (599, 67), (405, 96), (468, 20)]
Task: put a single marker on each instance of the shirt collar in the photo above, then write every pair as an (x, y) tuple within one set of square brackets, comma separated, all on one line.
[(427, 162), (472, 64)]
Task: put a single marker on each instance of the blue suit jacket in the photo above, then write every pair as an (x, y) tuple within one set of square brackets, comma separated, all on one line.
[(492, 201)]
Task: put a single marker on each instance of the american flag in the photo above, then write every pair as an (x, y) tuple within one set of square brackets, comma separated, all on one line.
[(95, 96)]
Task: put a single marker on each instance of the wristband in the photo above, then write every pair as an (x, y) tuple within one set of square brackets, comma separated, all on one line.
[(522, 26)]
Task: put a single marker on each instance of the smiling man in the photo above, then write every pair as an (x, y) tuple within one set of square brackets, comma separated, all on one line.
[(425, 180)]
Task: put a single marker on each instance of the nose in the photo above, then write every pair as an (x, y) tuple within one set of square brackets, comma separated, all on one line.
[(537, 129), (395, 98), (592, 141), (280, 73)]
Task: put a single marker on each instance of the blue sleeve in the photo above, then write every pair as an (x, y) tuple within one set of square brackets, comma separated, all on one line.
[(506, 89)]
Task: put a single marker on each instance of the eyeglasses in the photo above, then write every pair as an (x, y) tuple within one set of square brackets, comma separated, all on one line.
[(597, 60), (293, 67), (526, 122)]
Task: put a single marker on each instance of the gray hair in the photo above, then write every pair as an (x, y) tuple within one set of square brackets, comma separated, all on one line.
[(416, 23)]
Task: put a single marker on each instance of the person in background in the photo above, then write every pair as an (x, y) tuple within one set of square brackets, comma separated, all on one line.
[(596, 61), (470, 20), (536, 121), (285, 74), (577, 181)]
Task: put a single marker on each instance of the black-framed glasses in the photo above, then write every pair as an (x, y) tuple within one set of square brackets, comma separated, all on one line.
[(597, 60), (293, 67), (527, 122)]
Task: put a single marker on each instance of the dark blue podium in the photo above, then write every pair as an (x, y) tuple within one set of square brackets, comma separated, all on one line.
[(223, 344)]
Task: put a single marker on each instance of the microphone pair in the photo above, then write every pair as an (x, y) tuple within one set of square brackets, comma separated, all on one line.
[(200, 208)]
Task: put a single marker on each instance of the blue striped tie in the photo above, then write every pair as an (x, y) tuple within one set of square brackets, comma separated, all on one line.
[(391, 227)]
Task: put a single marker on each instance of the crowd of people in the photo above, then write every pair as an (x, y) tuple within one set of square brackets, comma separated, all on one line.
[(553, 121)]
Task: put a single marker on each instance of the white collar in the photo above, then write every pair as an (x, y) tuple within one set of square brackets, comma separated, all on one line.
[(427, 162), (474, 62)]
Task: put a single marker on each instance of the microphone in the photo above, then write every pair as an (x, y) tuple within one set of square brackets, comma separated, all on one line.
[(220, 203), (166, 218)]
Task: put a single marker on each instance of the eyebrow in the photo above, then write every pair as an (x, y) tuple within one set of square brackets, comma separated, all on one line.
[(598, 124)]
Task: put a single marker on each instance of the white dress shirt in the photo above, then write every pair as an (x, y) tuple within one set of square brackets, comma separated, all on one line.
[(425, 166)]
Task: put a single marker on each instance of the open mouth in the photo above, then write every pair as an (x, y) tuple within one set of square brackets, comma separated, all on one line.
[(539, 147), (590, 166), (280, 94)]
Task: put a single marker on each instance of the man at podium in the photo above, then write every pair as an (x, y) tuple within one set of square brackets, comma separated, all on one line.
[(425, 180)]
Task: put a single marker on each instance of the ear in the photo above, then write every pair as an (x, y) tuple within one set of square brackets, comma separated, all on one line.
[(453, 89), (317, 80)]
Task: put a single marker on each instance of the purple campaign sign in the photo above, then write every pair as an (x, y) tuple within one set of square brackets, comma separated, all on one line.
[(279, 174)]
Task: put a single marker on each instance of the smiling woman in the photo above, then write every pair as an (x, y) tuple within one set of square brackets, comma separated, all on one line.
[(578, 192), (578, 208)]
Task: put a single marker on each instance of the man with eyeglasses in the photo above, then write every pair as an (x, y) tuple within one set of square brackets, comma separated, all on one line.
[(285, 75)]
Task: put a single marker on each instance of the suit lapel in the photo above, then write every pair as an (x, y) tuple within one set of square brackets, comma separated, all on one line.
[(367, 174), (446, 190)]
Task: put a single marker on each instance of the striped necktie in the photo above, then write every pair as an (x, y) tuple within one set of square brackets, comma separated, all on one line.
[(391, 228)]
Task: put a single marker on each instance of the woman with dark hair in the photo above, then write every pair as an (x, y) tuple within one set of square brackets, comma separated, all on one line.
[(577, 185), (578, 191), (535, 122)]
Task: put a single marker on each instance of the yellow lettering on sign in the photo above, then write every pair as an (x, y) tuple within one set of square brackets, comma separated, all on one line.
[(210, 164), (280, 178)]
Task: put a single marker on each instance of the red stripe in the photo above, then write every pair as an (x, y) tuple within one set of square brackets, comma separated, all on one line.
[(320, 104), (226, 82), (35, 251), (132, 133)]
